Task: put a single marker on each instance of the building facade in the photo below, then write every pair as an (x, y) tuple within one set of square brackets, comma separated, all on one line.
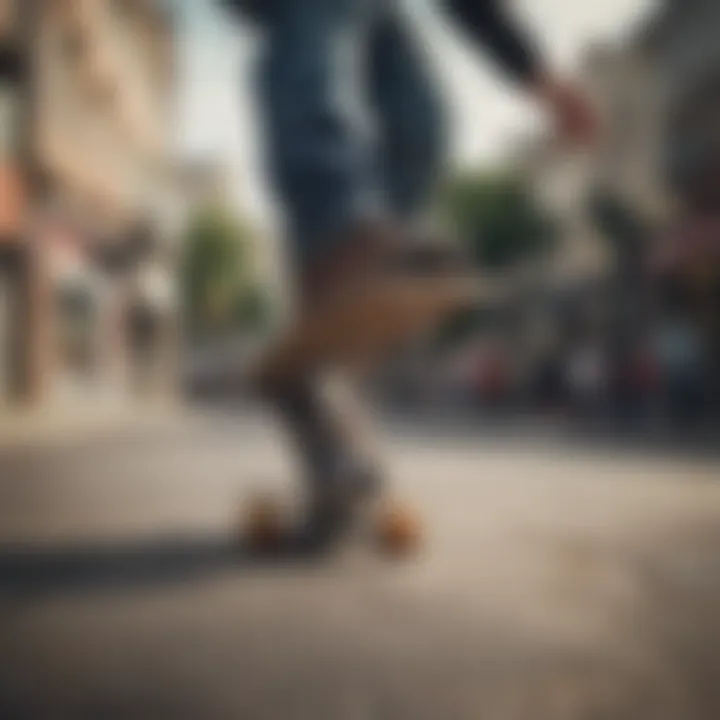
[(683, 41), (626, 90), (85, 110)]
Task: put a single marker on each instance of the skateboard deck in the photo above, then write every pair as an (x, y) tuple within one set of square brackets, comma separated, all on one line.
[(363, 326), (348, 337), (378, 521)]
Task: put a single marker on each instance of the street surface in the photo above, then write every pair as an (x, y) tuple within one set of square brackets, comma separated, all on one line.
[(555, 583)]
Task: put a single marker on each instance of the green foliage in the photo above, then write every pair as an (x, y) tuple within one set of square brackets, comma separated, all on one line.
[(498, 218), (254, 308), (215, 270)]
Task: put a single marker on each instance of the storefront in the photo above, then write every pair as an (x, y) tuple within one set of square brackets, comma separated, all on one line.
[(76, 310), (14, 249), (14, 267), (688, 258), (152, 330), (75, 301)]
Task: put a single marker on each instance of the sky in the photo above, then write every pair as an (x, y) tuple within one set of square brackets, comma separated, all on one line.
[(217, 119)]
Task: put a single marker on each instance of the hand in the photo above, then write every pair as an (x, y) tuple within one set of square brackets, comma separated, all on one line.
[(576, 119)]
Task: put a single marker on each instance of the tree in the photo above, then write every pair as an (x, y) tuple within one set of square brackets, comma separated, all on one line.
[(254, 308), (497, 217), (215, 269)]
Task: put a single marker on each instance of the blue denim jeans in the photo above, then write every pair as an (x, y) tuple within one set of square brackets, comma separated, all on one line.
[(353, 120)]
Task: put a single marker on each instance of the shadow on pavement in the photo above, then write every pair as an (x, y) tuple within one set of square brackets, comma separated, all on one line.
[(31, 569)]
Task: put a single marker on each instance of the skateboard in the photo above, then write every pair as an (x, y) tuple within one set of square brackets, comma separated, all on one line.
[(273, 529), (339, 344)]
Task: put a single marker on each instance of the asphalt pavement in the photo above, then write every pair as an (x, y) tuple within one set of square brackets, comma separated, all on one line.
[(556, 581)]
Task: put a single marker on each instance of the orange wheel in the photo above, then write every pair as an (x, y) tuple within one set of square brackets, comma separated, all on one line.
[(264, 523), (399, 530)]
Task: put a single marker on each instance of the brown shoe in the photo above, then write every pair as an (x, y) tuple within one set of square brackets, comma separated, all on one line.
[(372, 292), (355, 258), (377, 249)]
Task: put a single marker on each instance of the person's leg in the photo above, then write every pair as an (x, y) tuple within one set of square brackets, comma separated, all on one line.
[(318, 165), (408, 155), (407, 160), (411, 137), (316, 147), (335, 468)]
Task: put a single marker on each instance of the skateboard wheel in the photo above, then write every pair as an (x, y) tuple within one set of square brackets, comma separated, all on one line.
[(399, 531), (264, 523)]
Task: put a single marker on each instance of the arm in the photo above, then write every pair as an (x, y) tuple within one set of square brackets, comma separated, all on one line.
[(248, 9), (494, 29)]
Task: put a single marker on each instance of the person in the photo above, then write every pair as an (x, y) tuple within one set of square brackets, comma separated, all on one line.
[(355, 135)]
